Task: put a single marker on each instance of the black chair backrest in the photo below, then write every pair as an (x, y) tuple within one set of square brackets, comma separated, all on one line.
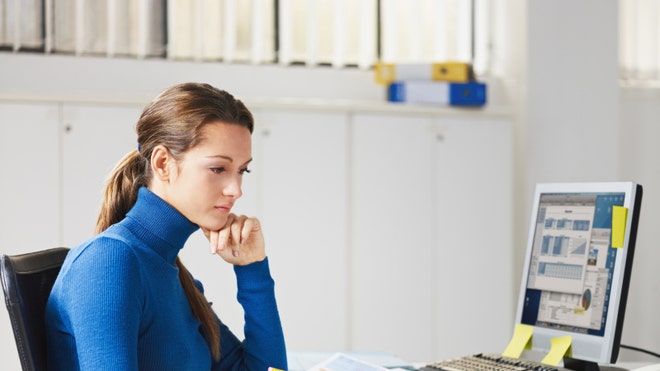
[(26, 282)]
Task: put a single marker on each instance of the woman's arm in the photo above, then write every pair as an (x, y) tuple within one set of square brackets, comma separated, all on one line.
[(241, 243), (264, 344)]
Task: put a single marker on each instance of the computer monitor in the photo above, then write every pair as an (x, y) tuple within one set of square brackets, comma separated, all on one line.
[(575, 282)]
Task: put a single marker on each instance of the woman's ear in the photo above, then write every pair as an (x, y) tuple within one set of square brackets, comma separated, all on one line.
[(161, 162)]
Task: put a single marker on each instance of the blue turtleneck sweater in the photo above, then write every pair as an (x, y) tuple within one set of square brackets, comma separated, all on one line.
[(118, 304)]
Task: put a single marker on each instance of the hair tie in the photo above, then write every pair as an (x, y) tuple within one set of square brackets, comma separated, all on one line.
[(139, 148)]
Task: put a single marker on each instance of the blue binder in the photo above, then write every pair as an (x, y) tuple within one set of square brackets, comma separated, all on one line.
[(435, 92), (467, 94)]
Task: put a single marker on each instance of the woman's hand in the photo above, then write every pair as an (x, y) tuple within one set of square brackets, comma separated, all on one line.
[(239, 242)]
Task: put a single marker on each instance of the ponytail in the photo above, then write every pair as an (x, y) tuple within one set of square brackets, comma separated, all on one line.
[(121, 190)]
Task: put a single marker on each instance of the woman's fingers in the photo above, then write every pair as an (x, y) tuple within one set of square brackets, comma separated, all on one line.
[(236, 229), (213, 240), (250, 225), (224, 233), (239, 241), (212, 236)]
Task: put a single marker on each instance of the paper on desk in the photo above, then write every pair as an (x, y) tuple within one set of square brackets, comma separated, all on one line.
[(343, 362)]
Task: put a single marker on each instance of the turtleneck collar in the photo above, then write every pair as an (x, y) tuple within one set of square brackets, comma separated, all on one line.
[(159, 225)]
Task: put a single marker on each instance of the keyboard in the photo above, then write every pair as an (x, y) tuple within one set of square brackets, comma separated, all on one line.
[(490, 362)]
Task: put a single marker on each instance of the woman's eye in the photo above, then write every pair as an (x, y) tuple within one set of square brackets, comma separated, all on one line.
[(218, 170)]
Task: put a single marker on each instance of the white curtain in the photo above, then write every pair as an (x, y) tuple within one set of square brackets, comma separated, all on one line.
[(344, 32), (21, 24), (108, 27), (329, 32), (418, 31), (639, 30), (335, 33), (221, 30)]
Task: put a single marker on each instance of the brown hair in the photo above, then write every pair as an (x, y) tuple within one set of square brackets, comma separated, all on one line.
[(174, 119)]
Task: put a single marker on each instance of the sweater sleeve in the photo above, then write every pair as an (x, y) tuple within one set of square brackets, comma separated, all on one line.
[(100, 299), (264, 344)]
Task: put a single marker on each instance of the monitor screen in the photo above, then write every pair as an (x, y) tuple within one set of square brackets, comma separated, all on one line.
[(575, 279)]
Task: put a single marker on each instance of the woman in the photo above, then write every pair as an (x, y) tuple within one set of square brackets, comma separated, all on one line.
[(123, 300)]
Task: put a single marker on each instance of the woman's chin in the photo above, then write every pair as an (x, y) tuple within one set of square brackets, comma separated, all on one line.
[(214, 225)]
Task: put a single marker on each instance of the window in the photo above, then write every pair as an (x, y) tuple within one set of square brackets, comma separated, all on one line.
[(337, 33), (639, 39), (21, 25)]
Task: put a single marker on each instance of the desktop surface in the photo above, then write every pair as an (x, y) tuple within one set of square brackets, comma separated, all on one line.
[(305, 360)]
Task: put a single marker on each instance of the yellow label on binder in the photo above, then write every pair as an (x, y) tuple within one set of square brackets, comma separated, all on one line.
[(452, 72), (386, 73)]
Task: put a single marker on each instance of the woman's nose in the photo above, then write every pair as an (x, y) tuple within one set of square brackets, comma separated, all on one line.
[(233, 187)]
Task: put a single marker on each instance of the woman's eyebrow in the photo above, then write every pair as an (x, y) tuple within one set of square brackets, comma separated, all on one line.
[(228, 158), (221, 156)]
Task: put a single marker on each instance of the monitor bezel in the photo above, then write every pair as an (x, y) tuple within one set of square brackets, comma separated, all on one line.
[(599, 349)]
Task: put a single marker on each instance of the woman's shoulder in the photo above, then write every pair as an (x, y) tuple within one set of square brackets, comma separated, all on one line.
[(103, 254), (103, 247), (101, 270)]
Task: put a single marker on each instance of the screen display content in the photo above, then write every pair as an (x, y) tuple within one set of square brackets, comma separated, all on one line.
[(570, 273)]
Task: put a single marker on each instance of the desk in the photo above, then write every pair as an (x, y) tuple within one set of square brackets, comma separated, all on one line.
[(302, 361), (639, 366)]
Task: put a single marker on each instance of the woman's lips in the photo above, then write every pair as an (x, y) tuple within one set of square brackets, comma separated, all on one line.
[(225, 207)]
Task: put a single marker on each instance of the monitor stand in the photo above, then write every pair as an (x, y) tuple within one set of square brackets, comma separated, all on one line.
[(581, 365)]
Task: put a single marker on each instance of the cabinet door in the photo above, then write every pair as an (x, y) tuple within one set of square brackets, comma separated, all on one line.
[(474, 244), (303, 183), (29, 192), (392, 229), (30, 186), (95, 138)]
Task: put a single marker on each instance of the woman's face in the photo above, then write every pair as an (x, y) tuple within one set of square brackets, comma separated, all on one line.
[(208, 178)]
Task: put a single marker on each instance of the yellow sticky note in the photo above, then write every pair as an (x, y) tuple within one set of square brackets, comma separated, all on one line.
[(521, 339), (619, 217), (559, 347)]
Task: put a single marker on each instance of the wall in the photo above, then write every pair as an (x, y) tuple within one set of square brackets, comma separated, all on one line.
[(30, 77), (582, 126), (640, 110)]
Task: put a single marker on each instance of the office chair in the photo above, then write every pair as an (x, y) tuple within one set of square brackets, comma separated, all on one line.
[(26, 282)]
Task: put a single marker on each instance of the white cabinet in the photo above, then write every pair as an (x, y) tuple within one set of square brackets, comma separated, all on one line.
[(386, 230), (94, 139), (303, 206), (431, 242), (30, 187), (473, 262), (29, 191), (392, 243)]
